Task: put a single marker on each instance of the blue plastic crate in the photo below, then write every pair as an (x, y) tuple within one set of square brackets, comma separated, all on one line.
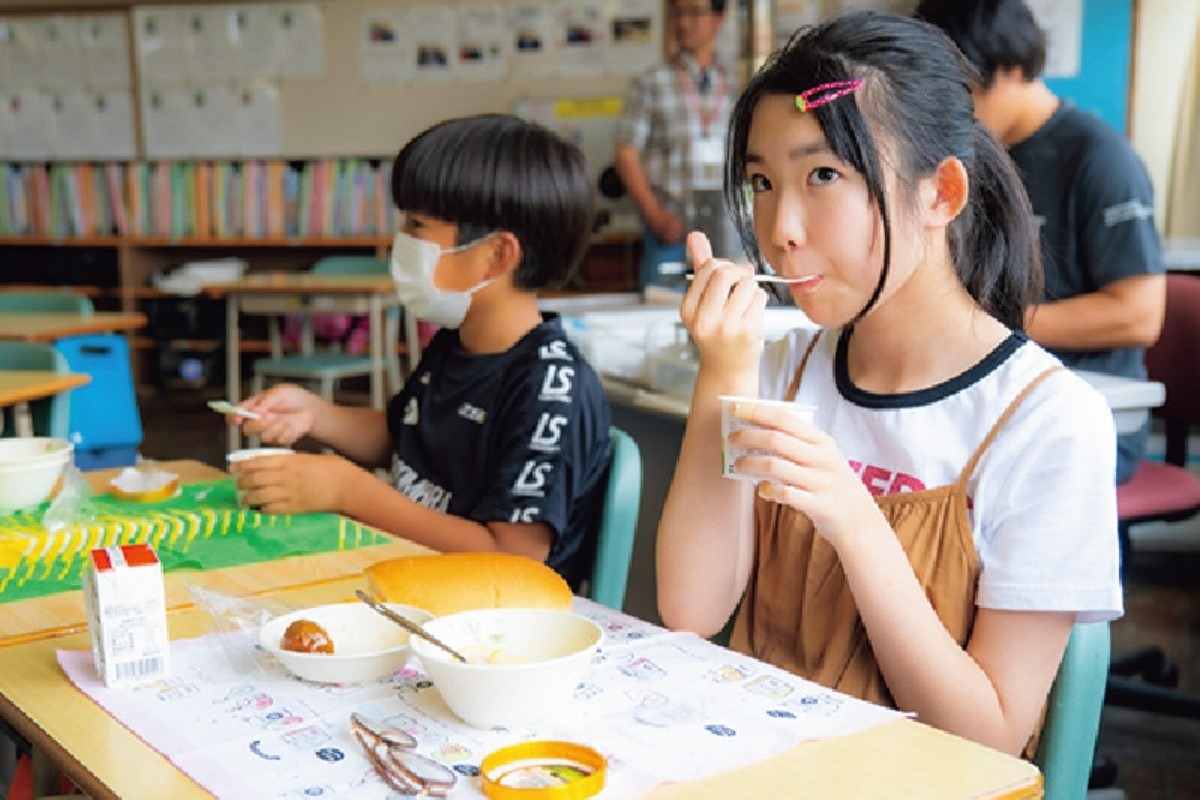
[(105, 423)]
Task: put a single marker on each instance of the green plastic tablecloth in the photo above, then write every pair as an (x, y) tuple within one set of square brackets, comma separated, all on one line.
[(200, 528)]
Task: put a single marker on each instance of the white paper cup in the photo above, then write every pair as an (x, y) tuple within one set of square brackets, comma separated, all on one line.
[(729, 424), (248, 453)]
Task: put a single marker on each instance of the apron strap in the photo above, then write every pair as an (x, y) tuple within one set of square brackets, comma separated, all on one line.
[(1008, 412), (795, 384)]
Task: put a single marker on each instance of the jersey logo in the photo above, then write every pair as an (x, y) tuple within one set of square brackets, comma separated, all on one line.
[(418, 489), (472, 413), (411, 415), (556, 385), (548, 434), (1129, 211), (554, 350), (532, 480), (530, 514)]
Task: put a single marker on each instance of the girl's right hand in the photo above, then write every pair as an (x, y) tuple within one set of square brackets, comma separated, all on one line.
[(723, 310), (287, 414)]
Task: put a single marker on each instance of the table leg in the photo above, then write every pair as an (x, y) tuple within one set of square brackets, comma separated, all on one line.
[(233, 365), (22, 420), (376, 335)]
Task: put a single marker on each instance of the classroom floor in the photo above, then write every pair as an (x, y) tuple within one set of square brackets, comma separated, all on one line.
[(1157, 757)]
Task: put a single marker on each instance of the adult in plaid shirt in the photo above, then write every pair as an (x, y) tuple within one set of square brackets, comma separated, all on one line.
[(670, 141)]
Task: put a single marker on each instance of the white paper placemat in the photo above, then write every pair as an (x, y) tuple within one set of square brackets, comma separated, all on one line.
[(661, 706)]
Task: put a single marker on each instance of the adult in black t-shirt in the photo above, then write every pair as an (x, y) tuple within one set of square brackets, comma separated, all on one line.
[(1105, 294), (500, 438)]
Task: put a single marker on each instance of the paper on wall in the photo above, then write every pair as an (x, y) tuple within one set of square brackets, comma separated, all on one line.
[(532, 39), (104, 39), (300, 40), (482, 51)]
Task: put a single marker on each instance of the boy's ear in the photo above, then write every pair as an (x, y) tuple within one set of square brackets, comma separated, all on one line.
[(944, 194), (506, 254)]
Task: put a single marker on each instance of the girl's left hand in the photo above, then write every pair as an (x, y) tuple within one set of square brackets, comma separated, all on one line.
[(802, 467), (298, 483)]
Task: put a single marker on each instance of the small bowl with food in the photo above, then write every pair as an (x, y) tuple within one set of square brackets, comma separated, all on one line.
[(522, 664), (341, 642)]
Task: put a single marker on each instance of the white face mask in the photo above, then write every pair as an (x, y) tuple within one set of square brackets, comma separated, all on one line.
[(414, 262)]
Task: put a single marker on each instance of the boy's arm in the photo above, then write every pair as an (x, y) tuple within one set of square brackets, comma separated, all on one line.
[(381, 506), (357, 432)]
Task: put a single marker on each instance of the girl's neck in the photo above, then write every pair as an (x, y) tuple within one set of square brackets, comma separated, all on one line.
[(927, 332)]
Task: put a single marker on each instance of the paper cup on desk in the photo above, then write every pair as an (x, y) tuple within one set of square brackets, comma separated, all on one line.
[(253, 452), (729, 424)]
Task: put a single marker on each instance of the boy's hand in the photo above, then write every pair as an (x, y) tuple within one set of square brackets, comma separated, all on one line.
[(287, 413), (295, 484), (723, 310)]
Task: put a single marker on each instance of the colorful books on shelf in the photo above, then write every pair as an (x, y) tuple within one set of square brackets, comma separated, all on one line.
[(254, 199)]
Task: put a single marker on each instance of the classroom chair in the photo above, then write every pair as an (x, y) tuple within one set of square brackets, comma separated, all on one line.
[(51, 415), (327, 368), (106, 423), (1163, 491), (618, 521), (1068, 740), (23, 301)]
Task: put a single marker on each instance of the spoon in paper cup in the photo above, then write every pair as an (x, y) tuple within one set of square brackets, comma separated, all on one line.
[(408, 624)]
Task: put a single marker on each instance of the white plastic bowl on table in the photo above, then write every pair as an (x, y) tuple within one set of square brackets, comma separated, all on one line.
[(29, 469), (366, 645), (523, 663)]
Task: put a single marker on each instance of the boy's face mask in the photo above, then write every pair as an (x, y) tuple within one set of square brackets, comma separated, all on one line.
[(414, 262)]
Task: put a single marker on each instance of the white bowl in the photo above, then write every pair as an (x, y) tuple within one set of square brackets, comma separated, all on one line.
[(523, 663), (366, 645), (29, 468)]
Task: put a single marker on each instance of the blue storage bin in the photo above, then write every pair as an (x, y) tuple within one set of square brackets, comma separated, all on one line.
[(105, 423)]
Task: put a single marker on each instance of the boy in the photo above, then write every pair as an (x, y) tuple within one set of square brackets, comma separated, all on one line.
[(499, 440)]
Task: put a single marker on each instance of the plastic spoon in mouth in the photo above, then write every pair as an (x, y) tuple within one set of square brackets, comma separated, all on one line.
[(761, 278), (408, 624)]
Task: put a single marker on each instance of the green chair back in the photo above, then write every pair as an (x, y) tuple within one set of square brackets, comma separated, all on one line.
[(618, 521), (51, 415), (351, 265), (33, 301), (1068, 743)]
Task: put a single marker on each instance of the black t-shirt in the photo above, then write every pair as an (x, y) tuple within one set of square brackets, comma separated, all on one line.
[(519, 436), (1094, 205)]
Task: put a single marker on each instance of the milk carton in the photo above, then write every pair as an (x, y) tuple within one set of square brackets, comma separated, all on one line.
[(126, 610)]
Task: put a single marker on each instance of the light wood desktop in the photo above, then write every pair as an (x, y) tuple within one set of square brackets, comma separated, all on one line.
[(279, 293), (899, 759), (19, 387), (47, 326)]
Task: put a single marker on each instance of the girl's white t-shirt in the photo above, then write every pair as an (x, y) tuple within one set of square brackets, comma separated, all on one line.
[(1042, 497)]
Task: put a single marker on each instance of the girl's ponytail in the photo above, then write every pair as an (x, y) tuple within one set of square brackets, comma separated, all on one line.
[(995, 242)]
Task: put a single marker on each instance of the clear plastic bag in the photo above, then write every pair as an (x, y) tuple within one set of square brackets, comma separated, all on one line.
[(236, 623), (73, 505)]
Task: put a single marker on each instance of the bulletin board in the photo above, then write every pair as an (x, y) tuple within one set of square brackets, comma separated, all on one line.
[(344, 78)]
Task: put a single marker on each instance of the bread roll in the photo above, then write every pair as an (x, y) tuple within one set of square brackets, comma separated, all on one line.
[(450, 582)]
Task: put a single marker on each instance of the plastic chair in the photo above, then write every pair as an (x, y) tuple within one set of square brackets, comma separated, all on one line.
[(327, 368), (1163, 491), (1068, 741), (33, 301), (618, 521), (51, 415)]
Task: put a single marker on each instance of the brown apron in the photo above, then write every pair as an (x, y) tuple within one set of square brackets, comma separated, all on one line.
[(798, 612)]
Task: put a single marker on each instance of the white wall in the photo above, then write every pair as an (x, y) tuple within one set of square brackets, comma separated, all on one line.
[(1166, 37)]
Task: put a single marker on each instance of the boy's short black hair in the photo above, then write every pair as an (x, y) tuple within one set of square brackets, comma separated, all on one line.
[(498, 172), (992, 34)]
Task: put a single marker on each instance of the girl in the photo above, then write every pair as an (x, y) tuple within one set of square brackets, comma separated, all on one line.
[(930, 538)]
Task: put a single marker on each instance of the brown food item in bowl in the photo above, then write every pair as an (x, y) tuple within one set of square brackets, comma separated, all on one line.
[(451, 582), (306, 636)]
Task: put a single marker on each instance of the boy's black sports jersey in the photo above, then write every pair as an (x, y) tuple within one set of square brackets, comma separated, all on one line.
[(519, 436)]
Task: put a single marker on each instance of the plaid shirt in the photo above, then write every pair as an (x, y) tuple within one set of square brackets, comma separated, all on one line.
[(661, 121)]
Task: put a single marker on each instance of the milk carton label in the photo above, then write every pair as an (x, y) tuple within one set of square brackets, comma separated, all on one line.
[(127, 618)]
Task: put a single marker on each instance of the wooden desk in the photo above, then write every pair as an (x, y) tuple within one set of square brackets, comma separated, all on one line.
[(51, 326), (283, 292), (62, 613), (897, 760), (18, 387)]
